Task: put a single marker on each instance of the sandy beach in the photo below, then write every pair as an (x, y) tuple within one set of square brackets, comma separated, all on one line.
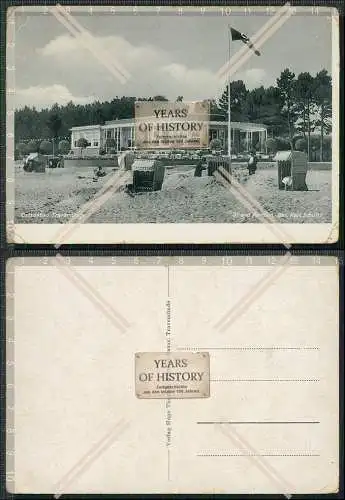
[(57, 194)]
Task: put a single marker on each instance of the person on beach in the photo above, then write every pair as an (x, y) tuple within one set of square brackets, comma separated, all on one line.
[(199, 168), (99, 172), (125, 161), (252, 162)]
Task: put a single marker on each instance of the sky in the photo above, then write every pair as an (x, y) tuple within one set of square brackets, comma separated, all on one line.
[(170, 55)]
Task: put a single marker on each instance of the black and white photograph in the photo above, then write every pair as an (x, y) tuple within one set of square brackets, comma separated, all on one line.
[(172, 124)]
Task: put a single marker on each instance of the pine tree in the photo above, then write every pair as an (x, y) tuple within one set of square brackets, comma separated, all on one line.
[(286, 85), (238, 98), (305, 104), (323, 99), (54, 124)]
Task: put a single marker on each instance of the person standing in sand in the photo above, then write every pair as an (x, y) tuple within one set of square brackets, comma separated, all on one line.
[(125, 162), (252, 162), (199, 168)]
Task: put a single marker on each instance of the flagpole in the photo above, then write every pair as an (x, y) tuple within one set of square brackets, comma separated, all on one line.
[(229, 102)]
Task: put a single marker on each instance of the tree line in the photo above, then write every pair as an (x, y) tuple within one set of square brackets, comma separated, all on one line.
[(294, 109)]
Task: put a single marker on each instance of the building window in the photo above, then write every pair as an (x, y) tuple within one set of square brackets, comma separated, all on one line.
[(95, 143), (75, 144), (108, 134)]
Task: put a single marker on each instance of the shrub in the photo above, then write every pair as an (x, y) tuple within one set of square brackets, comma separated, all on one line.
[(33, 146), (64, 147), (272, 145), (295, 139), (216, 144), (82, 143), (283, 144), (22, 149), (301, 145), (46, 147)]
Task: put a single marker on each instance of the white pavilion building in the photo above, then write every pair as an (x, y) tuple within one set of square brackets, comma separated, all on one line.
[(244, 135)]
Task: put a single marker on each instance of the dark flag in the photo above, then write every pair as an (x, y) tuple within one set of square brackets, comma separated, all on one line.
[(237, 35)]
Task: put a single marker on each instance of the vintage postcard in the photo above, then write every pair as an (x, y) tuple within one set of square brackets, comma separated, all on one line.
[(172, 124), (172, 375)]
